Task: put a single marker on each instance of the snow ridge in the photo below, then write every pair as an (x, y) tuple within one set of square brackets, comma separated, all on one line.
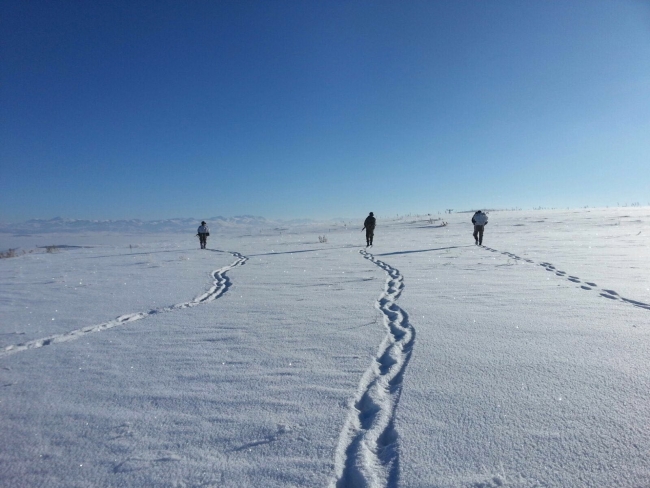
[(220, 285), (586, 285), (367, 454)]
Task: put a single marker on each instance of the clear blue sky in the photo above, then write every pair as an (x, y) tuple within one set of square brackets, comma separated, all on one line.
[(122, 109)]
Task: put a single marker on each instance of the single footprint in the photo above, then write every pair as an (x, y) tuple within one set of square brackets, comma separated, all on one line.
[(575, 280), (591, 284), (585, 287), (608, 296), (611, 292), (636, 304)]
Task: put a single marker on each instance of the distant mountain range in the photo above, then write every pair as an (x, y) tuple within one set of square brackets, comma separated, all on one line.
[(58, 224)]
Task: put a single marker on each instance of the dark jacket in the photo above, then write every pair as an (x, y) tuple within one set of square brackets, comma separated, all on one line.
[(369, 223)]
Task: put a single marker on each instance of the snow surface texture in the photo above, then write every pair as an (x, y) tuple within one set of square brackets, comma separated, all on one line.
[(423, 361)]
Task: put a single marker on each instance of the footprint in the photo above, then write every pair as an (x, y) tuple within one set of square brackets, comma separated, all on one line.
[(636, 303), (378, 395), (608, 296), (588, 285), (221, 284)]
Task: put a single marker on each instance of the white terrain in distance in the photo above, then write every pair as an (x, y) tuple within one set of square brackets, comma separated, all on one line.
[(274, 360)]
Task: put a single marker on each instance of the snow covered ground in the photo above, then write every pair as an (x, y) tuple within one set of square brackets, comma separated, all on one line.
[(274, 360)]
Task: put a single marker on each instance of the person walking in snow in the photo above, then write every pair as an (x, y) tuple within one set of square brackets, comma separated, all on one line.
[(369, 225), (479, 220), (203, 232)]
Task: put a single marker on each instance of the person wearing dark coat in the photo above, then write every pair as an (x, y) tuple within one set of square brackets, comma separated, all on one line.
[(480, 220), (369, 225)]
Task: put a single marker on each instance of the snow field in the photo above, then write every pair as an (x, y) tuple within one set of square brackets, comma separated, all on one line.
[(74, 288), (527, 382), (519, 364), (244, 393)]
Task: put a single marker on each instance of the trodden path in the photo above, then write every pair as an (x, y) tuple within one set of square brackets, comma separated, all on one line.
[(585, 285), (367, 454), (220, 285)]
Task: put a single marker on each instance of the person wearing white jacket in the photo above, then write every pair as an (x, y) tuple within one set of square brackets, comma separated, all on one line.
[(479, 220), (203, 232)]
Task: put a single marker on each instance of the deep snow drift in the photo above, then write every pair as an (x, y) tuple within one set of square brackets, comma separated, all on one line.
[(272, 359)]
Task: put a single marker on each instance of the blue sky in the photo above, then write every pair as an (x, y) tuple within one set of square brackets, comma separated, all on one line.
[(286, 109)]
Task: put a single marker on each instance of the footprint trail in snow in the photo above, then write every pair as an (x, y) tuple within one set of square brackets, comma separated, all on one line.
[(367, 454), (220, 285), (585, 285)]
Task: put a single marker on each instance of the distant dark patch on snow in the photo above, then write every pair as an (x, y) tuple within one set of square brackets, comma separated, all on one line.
[(64, 246), (422, 250)]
